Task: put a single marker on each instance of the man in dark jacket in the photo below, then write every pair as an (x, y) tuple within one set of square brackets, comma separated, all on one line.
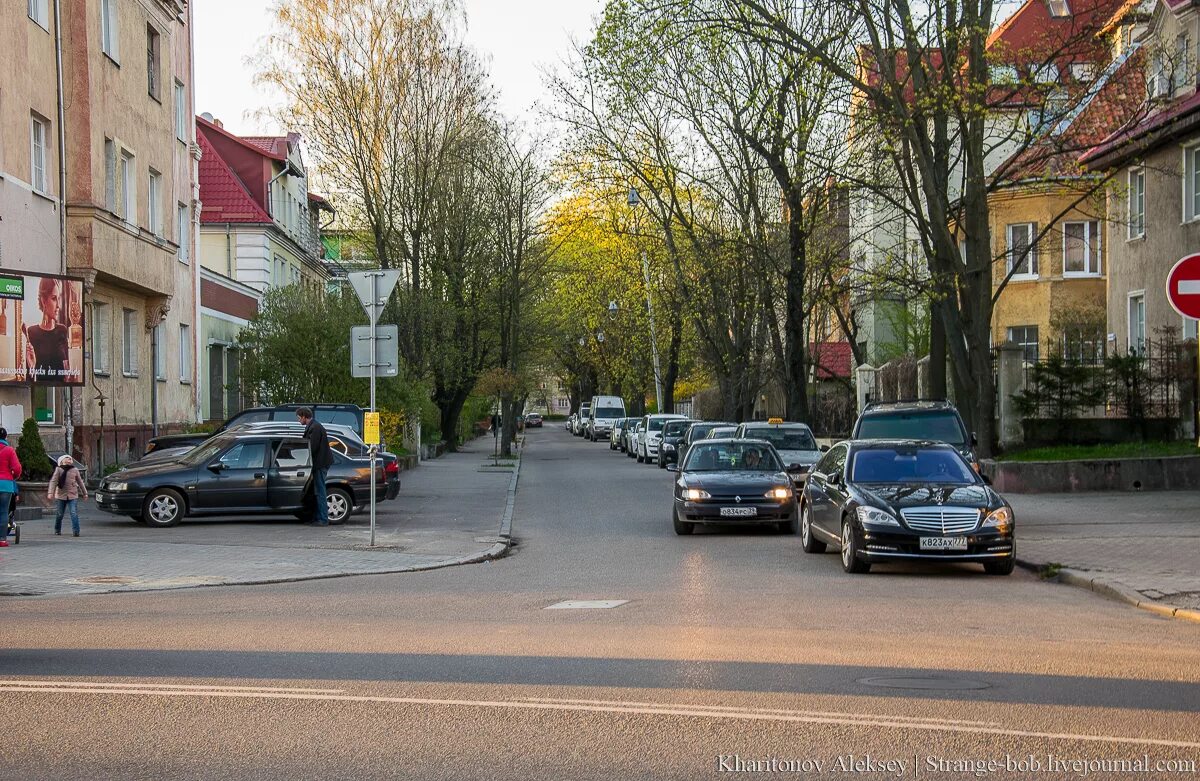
[(322, 459)]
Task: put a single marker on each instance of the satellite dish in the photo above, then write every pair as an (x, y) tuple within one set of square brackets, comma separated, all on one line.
[(207, 117)]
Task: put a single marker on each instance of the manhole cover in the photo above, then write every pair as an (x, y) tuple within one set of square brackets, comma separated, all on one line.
[(118, 580), (927, 682)]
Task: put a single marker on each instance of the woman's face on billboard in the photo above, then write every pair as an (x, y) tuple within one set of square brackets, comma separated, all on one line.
[(51, 301)]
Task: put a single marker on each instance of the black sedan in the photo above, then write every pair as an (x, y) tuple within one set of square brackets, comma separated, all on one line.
[(533, 420), (672, 438), (237, 474), (739, 481), (902, 501)]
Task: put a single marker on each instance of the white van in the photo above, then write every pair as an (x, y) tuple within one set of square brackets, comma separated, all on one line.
[(606, 410)]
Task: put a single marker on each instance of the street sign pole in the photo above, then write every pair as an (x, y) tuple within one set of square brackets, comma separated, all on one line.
[(374, 370)]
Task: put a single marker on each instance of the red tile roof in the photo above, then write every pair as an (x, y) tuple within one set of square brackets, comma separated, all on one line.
[(1183, 116), (272, 146), (224, 196), (833, 360)]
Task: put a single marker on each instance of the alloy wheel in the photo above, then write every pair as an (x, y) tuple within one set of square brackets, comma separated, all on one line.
[(847, 543), (338, 507)]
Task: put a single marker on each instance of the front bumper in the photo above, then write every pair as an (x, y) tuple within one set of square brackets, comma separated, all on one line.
[(893, 544), (670, 455), (709, 511), (121, 503)]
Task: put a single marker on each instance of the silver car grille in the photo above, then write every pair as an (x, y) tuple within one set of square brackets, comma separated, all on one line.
[(941, 520)]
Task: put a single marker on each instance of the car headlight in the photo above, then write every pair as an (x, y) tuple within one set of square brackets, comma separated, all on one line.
[(668, 446), (780, 493), (999, 518), (876, 517), (693, 494), (118, 486)]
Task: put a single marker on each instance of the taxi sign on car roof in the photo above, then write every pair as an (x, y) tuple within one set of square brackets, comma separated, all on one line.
[(774, 420)]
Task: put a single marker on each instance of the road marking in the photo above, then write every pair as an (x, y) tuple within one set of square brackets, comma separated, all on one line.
[(587, 706), (587, 604), (187, 687)]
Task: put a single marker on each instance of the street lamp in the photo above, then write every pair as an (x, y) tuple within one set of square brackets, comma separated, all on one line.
[(635, 200), (612, 309)]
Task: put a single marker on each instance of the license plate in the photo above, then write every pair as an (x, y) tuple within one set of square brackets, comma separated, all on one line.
[(739, 512), (101, 497), (943, 543)]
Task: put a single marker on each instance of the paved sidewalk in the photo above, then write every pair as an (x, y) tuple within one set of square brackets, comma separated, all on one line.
[(1141, 547), (450, 511)]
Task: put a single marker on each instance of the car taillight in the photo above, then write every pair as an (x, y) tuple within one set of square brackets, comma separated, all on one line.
[(391, 468)]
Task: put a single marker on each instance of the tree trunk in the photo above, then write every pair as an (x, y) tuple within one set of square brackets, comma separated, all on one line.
[(937, 350), (672, 373)]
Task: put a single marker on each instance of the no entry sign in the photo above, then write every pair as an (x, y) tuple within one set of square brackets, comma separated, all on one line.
[(1183, 286)]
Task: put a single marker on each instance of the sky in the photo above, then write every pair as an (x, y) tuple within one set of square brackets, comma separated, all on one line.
[(519, 38)]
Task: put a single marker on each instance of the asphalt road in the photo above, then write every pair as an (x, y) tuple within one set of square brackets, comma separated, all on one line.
[(732, 648)]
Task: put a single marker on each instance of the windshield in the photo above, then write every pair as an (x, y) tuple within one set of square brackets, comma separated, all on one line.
[(656, 424), (609, 412), (205, 450), (939, 426), (675, 427), (731, 457), (888, 465), (784, 438)]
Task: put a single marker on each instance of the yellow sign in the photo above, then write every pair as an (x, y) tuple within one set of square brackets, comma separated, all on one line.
[(775, 421), (371, 428)]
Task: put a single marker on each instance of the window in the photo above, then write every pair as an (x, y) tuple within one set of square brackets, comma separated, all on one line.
[(1157, 76), (154, 194), (1191, 183), (110, 175), (39, 11), (1058, 8), (1022, 252), (109, 29), (293, 454), (101, 338), (185, 353), (160, 353), (128, 186), (1137, 203), (1003, 74), (39, 177), (152, 60), (1025, 337), (1083, 71), (246, 455), (1181, 71), (1137, 322), (1189, 327), (1046, 74), (129, 343), (183, 232), (181, 113), (1081, 249)]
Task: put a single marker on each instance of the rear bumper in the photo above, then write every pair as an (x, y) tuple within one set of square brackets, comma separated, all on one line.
[(393, 488)]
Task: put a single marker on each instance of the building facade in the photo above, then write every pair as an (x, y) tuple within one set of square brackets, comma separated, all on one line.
[(260, 228)]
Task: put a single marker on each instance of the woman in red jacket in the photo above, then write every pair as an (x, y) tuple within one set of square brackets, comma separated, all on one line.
[(10, 472)]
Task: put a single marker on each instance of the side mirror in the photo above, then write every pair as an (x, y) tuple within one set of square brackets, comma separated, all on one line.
[(216, 468), (672, 467), (824, 448), (835, 478), (974, 439)]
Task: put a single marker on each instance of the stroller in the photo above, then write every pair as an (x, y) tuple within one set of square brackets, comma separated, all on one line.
[(14, 530)]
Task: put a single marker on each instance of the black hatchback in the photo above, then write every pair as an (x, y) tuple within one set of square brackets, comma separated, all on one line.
[(883, 501), (237, 474)]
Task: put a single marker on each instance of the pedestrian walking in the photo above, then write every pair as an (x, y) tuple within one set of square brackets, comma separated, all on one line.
[(10, 472), (322, 459), (66, 488)]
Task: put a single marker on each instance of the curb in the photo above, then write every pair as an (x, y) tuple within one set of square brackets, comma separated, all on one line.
[(1115, 591)]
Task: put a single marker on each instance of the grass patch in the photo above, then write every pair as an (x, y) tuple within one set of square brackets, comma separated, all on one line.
[(1104, 452), (1050, 571)]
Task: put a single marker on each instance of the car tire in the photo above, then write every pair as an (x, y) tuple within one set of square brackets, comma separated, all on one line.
[(790, 525), (807, 538), (164, 508), (1003, 567), (662, 462), (850, 561), (340, 505), (639, 457), (682, 528)]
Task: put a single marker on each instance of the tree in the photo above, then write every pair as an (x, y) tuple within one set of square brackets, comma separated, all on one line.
[(31, 452)]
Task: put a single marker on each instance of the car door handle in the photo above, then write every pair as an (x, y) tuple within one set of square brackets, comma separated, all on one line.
[(301, 474), (260, 475)]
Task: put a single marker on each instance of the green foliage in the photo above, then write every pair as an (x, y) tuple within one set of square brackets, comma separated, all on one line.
[(1130, 382), (1104, 452), (297, 349), (1060, 388), (31, 451)]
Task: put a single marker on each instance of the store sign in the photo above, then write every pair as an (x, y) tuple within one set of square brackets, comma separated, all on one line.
[(41, 329)]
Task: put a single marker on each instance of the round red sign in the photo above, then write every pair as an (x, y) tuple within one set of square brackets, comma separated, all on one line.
[(1183, 286)]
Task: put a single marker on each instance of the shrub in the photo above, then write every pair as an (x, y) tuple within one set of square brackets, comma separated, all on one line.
[(31, 450)]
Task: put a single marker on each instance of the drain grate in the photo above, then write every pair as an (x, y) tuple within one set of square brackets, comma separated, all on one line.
[(587, 604), (925, 682)]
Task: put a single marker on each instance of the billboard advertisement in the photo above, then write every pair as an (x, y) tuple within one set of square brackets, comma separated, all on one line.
[(41, 329)]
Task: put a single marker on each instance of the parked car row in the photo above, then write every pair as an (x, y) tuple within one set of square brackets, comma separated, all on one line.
[(906, 485)]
